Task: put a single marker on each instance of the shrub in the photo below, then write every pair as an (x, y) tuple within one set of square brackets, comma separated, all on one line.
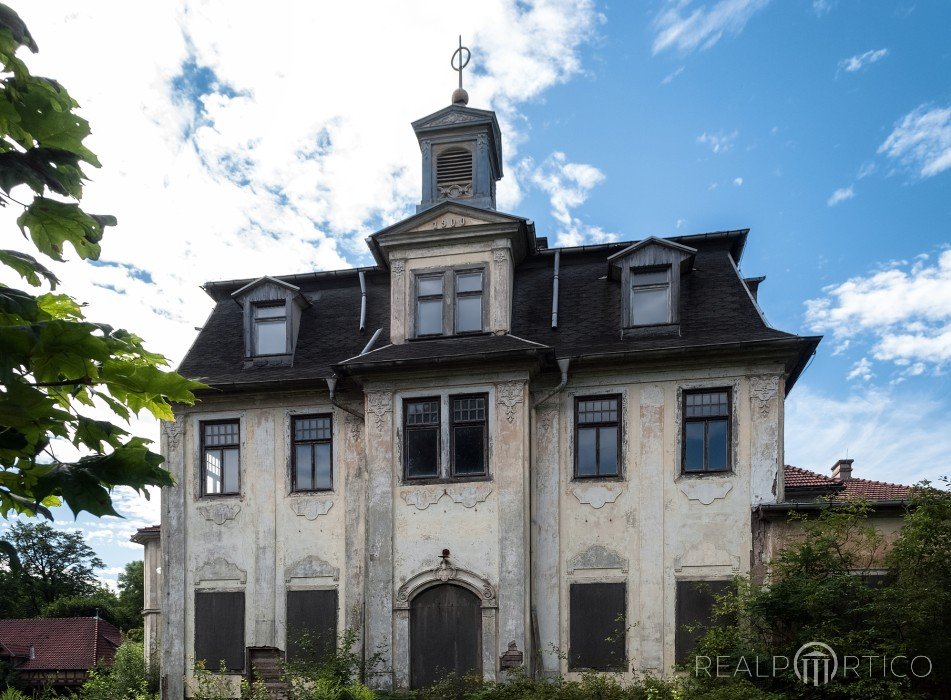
[(125, 680)]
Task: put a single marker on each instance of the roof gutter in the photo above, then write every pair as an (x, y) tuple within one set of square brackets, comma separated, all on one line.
[(331, 386), (363, 301), (777, 510), (563, 366)]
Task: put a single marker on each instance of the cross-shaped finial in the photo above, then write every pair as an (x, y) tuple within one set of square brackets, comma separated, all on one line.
[(460, 96)]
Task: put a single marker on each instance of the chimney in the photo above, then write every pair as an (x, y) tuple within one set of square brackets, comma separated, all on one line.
[(842, 470)]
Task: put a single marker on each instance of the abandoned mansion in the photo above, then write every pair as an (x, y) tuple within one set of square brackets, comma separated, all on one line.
[(478, 453)]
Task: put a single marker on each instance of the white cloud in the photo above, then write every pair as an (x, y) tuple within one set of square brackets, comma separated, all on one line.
[(568, 186), (670, 77), (738, 182), (681, 223), (894, 435), (859, 61), (861, 370), (684, 27), (822, 7), (719, 142), (903, 312), (842, 194), (922, 140)]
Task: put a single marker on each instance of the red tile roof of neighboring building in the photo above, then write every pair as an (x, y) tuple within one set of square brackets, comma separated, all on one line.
[(59, 643), (797, 478)]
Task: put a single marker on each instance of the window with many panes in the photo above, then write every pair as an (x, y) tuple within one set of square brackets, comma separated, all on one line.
[(312, 453), (468, 435), (650, 296), (462, 313), (220, 463), (421, 438), (597, 436), (269, 329), (706, 431)]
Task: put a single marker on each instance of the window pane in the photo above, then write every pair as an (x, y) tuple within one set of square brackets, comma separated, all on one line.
[(609, 465), (221, 434), (429, 285), (468, 450), (597, 411), (302, 456), (469, 282), (649, 306), (469, 314), (324, 480), (429, 317), (269, 311), (468, 409), (693, 452), (212, 471), (652, 277), (270, 337), (422, 413), (716, 445), (587, 464), (422, 452), (230, 460), (707, 403)]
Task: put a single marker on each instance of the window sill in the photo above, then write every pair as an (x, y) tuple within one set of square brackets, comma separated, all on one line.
[(216, 496), (282, 360), (437, 481), (467, 334), (702, 475), (310, 492), (619, 478)]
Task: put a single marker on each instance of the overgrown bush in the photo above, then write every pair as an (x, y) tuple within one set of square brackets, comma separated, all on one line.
[(126, 680)]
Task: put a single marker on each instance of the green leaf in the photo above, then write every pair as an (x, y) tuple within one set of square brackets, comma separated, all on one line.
[(51, 224), (11, 21), (41, 169), (94, 433), (27, 267)]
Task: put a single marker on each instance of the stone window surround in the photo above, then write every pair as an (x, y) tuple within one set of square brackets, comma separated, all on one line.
[(195, 427), (584, 392), (448, 273), (285, 432), (291, 452), (445, 468), (212, 587), (713, 384)]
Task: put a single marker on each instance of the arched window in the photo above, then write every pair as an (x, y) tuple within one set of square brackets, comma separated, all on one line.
[(454, 173)]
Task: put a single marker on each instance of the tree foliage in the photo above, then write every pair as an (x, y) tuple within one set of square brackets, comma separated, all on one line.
[(55, 365)]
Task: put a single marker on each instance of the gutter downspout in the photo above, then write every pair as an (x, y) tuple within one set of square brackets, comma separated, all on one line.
[(554, 291), (373, 339), (363, 301), (563, 366), (331, 386)]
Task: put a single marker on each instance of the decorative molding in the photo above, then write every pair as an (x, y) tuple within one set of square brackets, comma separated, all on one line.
[(219, 513), (596, 496), (483, 142), (451, 118), (379, 403), (455, 190), (469, 496), (397, 267), (501, 256), (220, 569), (173, 431), (311, 566), (763, 389), (706, 555), (705, 490), (353, 428), (422, 498), (427, 150), (509, 396), (447, 572), (597, 557), (311, 508)]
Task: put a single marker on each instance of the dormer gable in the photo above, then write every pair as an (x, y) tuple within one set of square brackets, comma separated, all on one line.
[(272, 311), (650, 272)]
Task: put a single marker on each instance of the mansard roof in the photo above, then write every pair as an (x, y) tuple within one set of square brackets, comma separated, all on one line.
[(718, 318)]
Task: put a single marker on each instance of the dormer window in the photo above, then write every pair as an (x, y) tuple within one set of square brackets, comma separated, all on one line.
[(454, 173), (650, 296), (270, 329), (461, 313)]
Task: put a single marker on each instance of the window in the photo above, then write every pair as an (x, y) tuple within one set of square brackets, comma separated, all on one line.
[(270, 329), (597, 436), (220, 446), (421, 438), (706, 435), (695, 602), (650, 296), (311, 624), (219, 629), (312, 453), (436, 316), (469, 302), (598, 627), (468, 435)]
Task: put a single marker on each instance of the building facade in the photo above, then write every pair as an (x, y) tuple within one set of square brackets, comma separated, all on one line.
[(477, 453)]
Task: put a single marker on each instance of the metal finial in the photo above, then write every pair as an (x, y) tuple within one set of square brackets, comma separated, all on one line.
[(460, 96)]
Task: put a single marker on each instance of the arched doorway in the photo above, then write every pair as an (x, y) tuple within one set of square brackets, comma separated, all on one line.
[(445, 634)]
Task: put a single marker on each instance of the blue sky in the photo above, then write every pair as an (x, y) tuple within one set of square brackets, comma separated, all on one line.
[(824, 126)]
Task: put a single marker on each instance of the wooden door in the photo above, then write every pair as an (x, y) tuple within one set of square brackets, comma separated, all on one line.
[(445, 635)]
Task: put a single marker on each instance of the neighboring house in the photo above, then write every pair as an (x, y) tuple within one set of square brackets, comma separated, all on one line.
[(479, 452), (57, 652)]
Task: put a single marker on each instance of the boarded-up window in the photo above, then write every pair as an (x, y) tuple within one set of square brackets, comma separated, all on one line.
[(311, 624), (695, 602), (219, 629), (598, 622)]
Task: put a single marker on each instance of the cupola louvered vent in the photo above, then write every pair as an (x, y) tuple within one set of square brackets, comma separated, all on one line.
[(454, 173)]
